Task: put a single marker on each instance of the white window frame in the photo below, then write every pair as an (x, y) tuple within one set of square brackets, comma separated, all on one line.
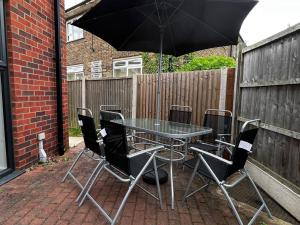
[(127, 66), (77, 70), (70, 37)]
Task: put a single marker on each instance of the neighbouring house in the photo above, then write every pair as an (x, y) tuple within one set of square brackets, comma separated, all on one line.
[(33, 90), (90, 56)]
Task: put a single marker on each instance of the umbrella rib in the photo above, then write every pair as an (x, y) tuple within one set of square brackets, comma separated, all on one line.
[(148, 17), (210, 27), (157, 12), (172, 40), (174, 12)]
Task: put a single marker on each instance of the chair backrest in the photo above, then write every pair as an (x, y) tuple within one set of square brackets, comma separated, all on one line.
[(243, 146), (180, 114), (115, 140), (111, 108), (219, 121), (88, 130)]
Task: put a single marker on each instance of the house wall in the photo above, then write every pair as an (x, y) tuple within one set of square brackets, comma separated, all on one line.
[(31, 63), (82, 51)]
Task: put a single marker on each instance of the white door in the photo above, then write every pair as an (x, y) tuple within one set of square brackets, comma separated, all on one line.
[(3, 159)]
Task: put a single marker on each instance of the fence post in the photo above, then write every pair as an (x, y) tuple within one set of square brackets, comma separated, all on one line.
[(134, 96), (223, 88), (236, 92), (83, 93)]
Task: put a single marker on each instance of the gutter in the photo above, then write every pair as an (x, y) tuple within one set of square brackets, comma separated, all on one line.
[(60, 128)]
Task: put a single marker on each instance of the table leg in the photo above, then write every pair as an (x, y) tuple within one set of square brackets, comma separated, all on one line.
[(171, 175)]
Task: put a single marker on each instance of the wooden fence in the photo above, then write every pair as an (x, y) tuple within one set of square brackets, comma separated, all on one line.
[(136, 96), (200, 90), (268, 87), (114, 91)]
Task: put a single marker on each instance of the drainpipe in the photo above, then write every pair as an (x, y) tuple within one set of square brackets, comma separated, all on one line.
[(60, 128)]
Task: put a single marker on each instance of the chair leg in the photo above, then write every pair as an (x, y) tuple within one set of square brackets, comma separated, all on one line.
[(157, 182), (259, 195), (90, 178), (191, 180), (92, 183), (231, 204), (73, 164), (132, 184)]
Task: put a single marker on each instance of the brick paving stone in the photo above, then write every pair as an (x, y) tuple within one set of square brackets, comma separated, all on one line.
[(39, 197), (37, 221)]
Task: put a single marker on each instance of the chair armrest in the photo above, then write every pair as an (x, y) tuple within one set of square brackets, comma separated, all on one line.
[(207, 144), (211, 155), (223, 135), (156, 148), (225, 143)]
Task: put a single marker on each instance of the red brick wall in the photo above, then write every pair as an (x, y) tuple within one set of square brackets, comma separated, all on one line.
[(31, 54)]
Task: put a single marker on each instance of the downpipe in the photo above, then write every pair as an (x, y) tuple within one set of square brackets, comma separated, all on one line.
[(60, 121)]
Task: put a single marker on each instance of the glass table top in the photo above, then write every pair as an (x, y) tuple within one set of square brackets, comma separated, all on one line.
[(165, 128)]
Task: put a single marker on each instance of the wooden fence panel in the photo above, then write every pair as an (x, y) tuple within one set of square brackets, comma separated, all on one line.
[(109, 92), (74, 101), (199, 89), (270, 90)]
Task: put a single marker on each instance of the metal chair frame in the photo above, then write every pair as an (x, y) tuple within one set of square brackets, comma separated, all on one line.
[(123, 177), (222, 183), (85, 151)]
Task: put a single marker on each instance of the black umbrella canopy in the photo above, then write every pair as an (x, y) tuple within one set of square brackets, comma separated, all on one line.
[(183, 25)]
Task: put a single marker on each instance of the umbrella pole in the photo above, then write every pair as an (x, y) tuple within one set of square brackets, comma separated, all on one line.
[(158, 78)]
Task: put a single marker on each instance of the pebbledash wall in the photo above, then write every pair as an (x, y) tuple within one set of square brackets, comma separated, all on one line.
[(30, 31)]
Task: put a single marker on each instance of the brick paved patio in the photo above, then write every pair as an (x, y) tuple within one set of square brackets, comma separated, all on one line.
[(38, 197)]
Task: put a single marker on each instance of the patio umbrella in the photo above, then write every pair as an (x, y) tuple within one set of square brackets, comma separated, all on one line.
[(173, 27)]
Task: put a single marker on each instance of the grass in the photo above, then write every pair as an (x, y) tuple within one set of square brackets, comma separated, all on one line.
[(74, 132)]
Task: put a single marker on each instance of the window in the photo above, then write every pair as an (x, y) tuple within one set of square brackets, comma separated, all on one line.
[(2, 38), (96, 69), (73, 32), (75, 72), (71, 3), (127, 67)]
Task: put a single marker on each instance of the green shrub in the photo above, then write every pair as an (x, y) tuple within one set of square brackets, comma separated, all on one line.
[(151, 63), (207, 63)]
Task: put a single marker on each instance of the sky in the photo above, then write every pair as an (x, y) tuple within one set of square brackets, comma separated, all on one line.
[(269, 17)]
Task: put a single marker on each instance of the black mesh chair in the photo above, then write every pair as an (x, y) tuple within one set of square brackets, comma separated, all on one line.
[(180, 114), (92, 147), (220, 122), (217, 169), (124, 163)]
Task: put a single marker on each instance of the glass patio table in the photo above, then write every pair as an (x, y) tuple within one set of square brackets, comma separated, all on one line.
[(166, 129)]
